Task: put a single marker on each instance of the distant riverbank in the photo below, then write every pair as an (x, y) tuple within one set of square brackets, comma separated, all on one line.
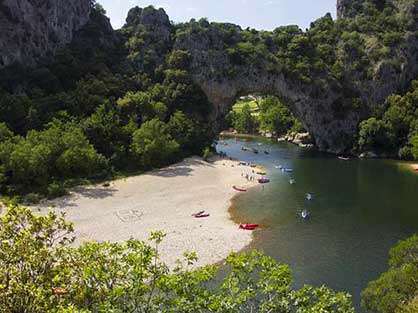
[(164, 200)]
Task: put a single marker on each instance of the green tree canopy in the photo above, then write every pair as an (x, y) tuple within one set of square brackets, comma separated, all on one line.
[(152, 144), (41, 272), (398, 287)]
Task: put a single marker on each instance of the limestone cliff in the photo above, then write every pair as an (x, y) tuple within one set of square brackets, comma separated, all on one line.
[(223, 82), (35, 29), (348, 8), (330, 106)]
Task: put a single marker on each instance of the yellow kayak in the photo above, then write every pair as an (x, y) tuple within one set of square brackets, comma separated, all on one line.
[(260, 167), (261, 173)]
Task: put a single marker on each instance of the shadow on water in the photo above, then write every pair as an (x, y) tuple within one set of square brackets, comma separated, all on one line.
[(360, 209)]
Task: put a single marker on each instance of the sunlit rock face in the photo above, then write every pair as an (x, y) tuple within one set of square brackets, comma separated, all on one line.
[(35, 29), (224, 82), (319, 109)]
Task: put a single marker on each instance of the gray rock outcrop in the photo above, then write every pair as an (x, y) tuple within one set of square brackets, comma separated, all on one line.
[(34, 29)]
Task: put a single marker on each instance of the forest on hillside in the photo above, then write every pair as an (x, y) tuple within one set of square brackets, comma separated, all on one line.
[(121, 102), (125, 101)]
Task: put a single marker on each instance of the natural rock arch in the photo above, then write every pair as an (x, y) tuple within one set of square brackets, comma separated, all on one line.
[(326, 110), (331, 113)]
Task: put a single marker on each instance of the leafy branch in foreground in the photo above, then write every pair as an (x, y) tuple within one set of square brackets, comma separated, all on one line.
[(41, 272)]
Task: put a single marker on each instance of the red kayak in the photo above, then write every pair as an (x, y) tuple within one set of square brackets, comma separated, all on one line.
[(239, 189), (248, 226)]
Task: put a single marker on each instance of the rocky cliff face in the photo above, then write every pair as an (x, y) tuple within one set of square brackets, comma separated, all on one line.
[(35, 29), (153, 33), (223, 83), (348, 8)]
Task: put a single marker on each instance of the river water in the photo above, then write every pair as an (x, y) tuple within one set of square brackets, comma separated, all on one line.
[(360, 209)]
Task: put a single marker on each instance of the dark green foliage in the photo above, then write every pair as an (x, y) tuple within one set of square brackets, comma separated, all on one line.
[(395, 130), (107, 85), (152, 145), (192, 136), (107, 116), (276, 118), (61, 150), (36, 255), (397, 287), (270, 116), (243, 121)]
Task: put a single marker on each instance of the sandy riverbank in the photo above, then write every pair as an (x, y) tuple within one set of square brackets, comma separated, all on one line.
[(414, 167), (164, 200)]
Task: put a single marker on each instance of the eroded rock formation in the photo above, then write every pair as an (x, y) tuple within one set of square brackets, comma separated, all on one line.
[(35, 29)]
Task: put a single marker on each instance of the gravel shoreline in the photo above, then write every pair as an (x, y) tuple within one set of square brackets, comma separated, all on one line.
[(164, 200)]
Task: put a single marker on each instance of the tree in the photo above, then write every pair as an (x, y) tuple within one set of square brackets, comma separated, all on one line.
[(5, 132), (414, 146), (153, 146), (142, 105), (375, 136), (243, 121), (40, 271), (104, 130), (398, 286), (275, 117), (62, 150), (192, 136), (31, 266)]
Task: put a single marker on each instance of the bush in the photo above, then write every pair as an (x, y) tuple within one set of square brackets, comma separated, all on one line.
[(56, 190), (393, 289), (153, 146), (207, 153), (129, 276), (32, 198)]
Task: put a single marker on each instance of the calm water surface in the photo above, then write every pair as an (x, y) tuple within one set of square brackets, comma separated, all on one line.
[(360, 209)]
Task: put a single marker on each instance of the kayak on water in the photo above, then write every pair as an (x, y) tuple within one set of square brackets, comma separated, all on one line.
[(263, 180), (343, 158), (304, 214)]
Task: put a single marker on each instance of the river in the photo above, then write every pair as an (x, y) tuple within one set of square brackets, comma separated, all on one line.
[(360, 209)]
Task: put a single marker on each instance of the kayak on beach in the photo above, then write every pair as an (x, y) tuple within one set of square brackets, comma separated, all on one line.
[(240, 189), (200, 214), (248, 226)]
